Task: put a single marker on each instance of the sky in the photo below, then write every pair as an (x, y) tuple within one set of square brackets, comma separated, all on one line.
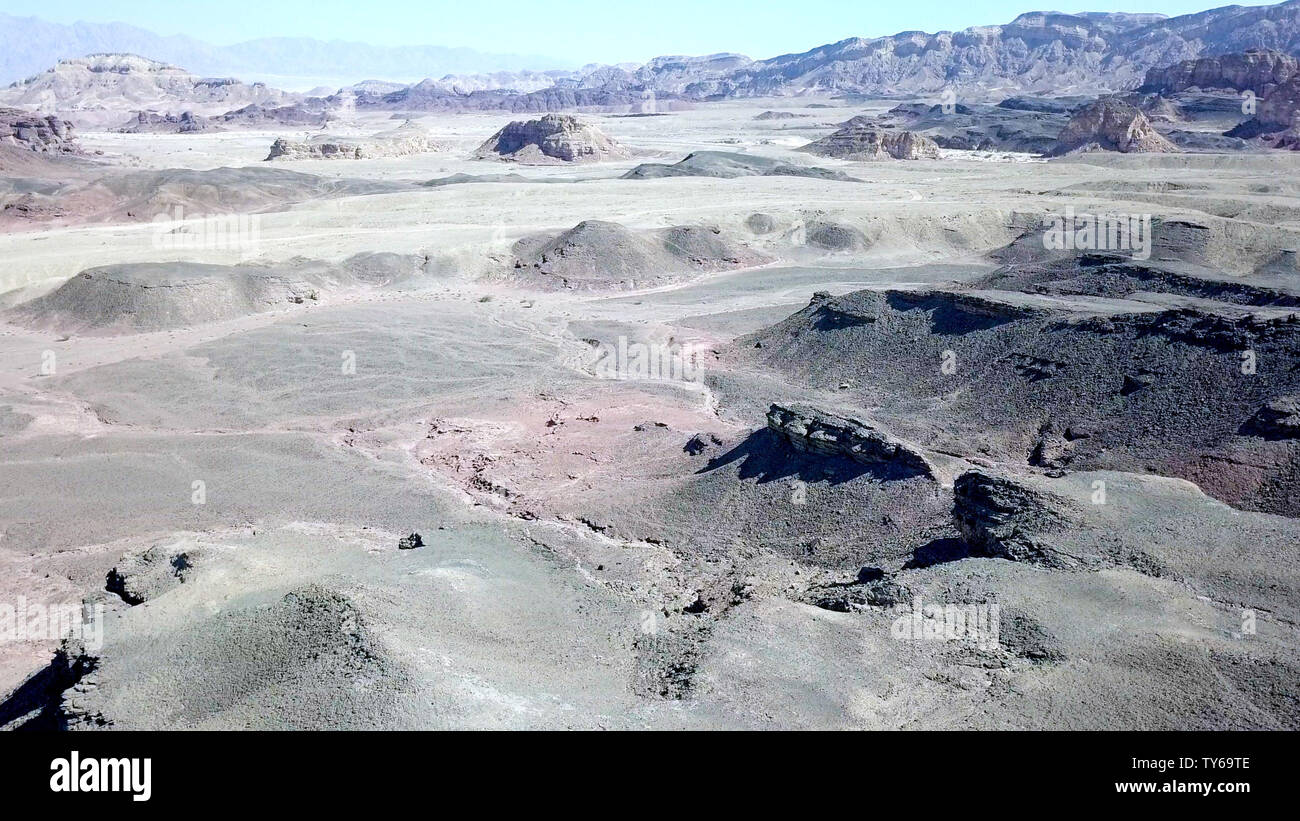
[(576, 31)]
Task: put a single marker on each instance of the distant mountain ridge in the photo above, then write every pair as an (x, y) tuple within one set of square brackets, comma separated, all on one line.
[(1042, 52), (29, 45), (1046, 52)]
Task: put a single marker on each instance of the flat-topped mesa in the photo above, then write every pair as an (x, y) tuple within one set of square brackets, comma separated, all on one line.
[(554, 138), (1257, 71), (398, 142), (108, 83), (36, 132), (1110, 124), (863, 142), (812, 430)]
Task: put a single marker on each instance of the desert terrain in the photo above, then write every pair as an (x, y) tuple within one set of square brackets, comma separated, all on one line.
[(668, 418)]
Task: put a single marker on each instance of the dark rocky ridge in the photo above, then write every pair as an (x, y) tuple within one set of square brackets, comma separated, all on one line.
[(1042, 384), (812, 430)]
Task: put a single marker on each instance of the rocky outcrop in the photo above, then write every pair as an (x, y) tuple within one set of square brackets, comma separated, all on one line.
[(260, 116), (146, 576), (1278, 110), (1000, 517), (861, 142), (1110, 124), (1288, 139), (555, 138), (151, 122), (1021, 126), (1256, 71), (399, 142), (1041, 381), (811, 430), (1277, 117), (36, 132), (250, 116), (1279, 419), (410, 542)]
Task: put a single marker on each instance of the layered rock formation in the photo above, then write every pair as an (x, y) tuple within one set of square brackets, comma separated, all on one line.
[(812, 430), (1110, 124), (36, 132), (555, 138), (1022, 126), (999, 517), (151, 122), (115, 81), (1256, 71), (399, 142), (861, 142), (1278, 110)]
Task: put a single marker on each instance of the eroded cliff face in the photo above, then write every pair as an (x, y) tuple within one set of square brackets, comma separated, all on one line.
[(1111, 124), (44, 133), (1256, 71)]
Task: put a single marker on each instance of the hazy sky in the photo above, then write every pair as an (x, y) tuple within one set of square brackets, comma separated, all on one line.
[(578, 31)]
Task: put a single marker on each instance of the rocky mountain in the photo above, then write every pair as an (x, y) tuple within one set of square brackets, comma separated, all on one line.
[(112, 82), (1038, 51), (1047, 53)]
